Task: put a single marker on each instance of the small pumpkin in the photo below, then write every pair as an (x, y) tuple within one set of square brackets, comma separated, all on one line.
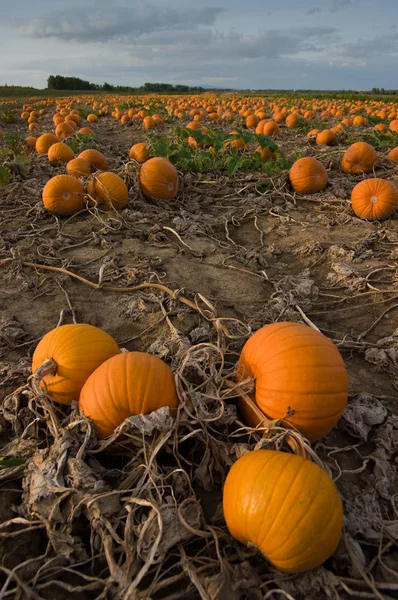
[(108, 189), (92, 118), (292, 120), (139, 152), (265, 153), (78, 167), (158, 178), (286, 506), (359, 157), (326, 138), (308, 176), (64, 129), (374, 199), (131, 383), (63, 195), (60, 153), (44, 142), (296, 368), (271, 128), (76, 350), (95, 158), (394, 126)]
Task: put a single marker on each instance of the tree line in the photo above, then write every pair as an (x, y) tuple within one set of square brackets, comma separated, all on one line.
[(59, 82)]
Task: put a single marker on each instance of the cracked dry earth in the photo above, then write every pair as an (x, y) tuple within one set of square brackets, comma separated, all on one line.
[(143, 519)]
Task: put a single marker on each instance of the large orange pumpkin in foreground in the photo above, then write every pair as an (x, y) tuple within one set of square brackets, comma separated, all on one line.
[(296, 368), (374, 199), (359, 157), (77, 350), (286, 506), (63, 195), (159, 178), (308, 176), (131, 383), (108, 189)]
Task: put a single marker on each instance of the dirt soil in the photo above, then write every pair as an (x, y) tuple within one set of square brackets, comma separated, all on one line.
[(87, 519)]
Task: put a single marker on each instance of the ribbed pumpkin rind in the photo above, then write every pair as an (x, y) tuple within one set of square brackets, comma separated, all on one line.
[(158, 178), (385, 191), (109, 189), (129, 384), (308, 176), (77, 349), (296, 368), (359, 157), (285, 505), (52, 195)]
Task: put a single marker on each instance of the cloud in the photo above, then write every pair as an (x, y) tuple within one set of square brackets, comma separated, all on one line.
[(312, 11), (109, 21), (337, 5)]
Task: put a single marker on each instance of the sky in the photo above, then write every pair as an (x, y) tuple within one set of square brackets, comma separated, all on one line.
[(242, 44)]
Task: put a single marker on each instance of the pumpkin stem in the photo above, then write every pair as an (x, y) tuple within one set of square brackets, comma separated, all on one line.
[(49, 367)]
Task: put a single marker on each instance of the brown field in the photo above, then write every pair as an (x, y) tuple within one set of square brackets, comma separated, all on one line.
[(245, 250)]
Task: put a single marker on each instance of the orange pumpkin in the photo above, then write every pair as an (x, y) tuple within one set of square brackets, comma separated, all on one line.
[(64, 130), (271, 128), (139, 152), (286, 506), (308, 176), (394, 125), (31, 142), (359, 157), (44, 142), (296, 368), (374, 199), (252, 121), (78, 167), (326, 138), (265, 153), (108, 189), (158, 178), (131, 383), (393, 155), (63, 195), (92, 118), (60, 153), (95, 158), (77, 350), (292, 120)]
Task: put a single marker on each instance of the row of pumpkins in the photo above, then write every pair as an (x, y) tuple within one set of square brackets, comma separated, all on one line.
[(284, 504), (67, 194)]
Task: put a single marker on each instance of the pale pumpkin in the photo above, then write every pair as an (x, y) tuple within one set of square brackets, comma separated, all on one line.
[(77, 350), (286, 506), (158, 178), (308, 176), (296, 368), (63, 195), (131, 383), (374, 199), (109, 190)]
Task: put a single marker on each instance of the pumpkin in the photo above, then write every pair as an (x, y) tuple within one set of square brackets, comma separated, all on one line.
[(44, 142), (149, 123), (78, 167), (286, 506), (139, 152), (292, 120), (131, 383), (296, 368), (77, 350), (394, 125), (265, 153), (381, 127), (308, 176), (393, 155), (31, 142), (374, 199), (63, 195), (252, 121), (158, 178), (60, 152), (95, 158), (92, 118), (84, 130), (64, 130), (271, 128), (359, 157), (326, 138), (108, 189)]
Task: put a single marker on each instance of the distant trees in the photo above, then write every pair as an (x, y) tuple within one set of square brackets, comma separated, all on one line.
[(59, 82)]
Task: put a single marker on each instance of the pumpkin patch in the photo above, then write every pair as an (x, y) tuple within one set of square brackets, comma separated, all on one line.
[(197, 338)]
